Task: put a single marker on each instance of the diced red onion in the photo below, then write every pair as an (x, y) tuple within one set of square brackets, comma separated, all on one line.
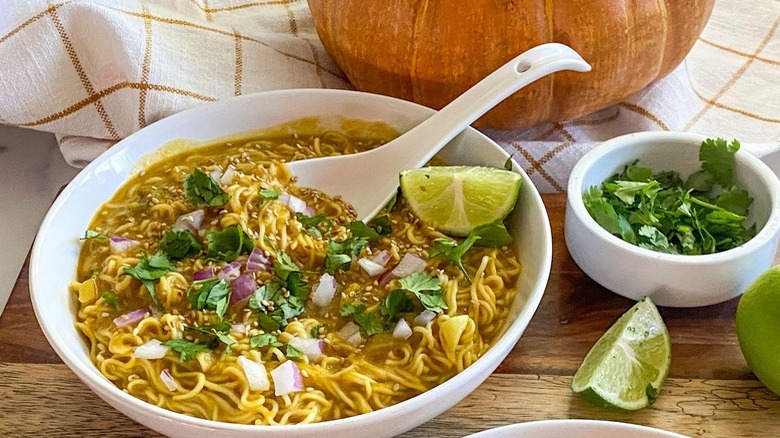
[(168, 380), (153, 349), (409, 264), (385, 278), (312, 348), (227, 177), (402, 330), (259, 261), (371, 268), (287, 378), (309, 211), (203, 274), (324, 291), (243, 286), (351, 333), (255, 373), (120, 245), (231, 271), (192, 221), (131, 317), (381, 258), (424, 318), (297, 205), (216, 173)]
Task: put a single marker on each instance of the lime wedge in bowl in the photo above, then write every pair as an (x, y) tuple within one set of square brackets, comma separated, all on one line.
[(629, 363), (457, 199)]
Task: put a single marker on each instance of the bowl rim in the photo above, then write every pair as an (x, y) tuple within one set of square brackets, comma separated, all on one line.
[(102, 387), (759, 169)]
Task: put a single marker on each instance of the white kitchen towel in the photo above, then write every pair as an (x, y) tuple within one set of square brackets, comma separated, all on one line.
[(94, 71)]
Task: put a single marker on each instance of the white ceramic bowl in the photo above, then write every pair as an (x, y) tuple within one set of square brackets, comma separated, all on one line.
[(54, 255), (574, 429), (670, 280)]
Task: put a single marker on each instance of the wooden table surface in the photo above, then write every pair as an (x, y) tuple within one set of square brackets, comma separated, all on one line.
[(710, 391)]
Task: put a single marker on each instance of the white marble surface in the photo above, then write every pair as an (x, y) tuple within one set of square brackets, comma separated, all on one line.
[(32, 170)]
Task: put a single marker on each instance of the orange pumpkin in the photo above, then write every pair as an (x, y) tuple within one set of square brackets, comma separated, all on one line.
[(430, 51)]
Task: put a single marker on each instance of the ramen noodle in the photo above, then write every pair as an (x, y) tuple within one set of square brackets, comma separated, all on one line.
[(212, 286)]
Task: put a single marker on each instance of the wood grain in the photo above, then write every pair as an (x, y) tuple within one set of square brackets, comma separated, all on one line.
[(710, 391), (696, 407)]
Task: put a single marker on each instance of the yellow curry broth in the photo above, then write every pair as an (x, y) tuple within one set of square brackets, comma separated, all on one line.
[(350, 379)]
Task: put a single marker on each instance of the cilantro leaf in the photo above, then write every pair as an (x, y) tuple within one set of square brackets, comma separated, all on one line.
[(92, 234), (370, 322), (602, 211), (348, 309), (211, 294), (274, 307), (222, 326), (179, 245), (396, 303), (227, 340), (296, 286), (284, 266), (293, 352), (187, 349), (315, 331), (381, 224), (148, 270), (267, 195), (313, 224), (493, 234), (735, 200), (391, 202), (717, 158), (264, 340), (340, 254), (361, 230), (453, 251), (202, 189), (418, 283), (228, 244), (111, 299)]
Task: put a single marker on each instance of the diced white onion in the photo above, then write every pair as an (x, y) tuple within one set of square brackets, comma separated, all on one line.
[(192, 221), (424, 318), (409, 264), (255, 373), (324, 291), (239, 328), (402, 330), (312, 348), (351, 333), (168, 380), (381, 258), (287, 378), (227, 177), (216, 173), (371, 268), (153, 349), (120, 245), (297, 205)]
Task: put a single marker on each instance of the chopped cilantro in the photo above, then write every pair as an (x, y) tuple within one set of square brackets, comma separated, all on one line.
[(396, 303), (187, 349), (264, 340), (178, 245), (660, 212), (284, 266), (374, 230), (493, 234), (348, 309), (92, 234), (369, 321), (420, 283), (267, 195), (296, 286), (316, 225), (340, 254), (391, 203), (274, 306), (202, 189), (227, 340), (315, 331), (228, 244), (149, 269), (211, 294), (293, 352), (111, 299), (453, 251)]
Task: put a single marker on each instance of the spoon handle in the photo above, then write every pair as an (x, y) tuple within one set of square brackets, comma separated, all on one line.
[(422, 142)]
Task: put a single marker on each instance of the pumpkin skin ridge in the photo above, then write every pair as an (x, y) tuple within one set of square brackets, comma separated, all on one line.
[(430, 51)]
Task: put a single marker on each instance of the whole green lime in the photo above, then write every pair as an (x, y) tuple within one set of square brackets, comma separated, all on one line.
[(758, 327)]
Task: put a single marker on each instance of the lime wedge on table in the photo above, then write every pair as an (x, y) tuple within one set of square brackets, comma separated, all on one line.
[(628, 365), (457, 199)]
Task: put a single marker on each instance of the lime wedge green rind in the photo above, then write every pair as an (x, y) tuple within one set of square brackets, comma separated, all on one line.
[(457, 199), (629, 363)]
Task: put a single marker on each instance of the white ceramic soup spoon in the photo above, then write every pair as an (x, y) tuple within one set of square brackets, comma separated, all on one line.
[(368, 180)]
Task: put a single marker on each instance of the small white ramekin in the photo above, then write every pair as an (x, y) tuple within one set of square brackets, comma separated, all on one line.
[(669, 280)]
